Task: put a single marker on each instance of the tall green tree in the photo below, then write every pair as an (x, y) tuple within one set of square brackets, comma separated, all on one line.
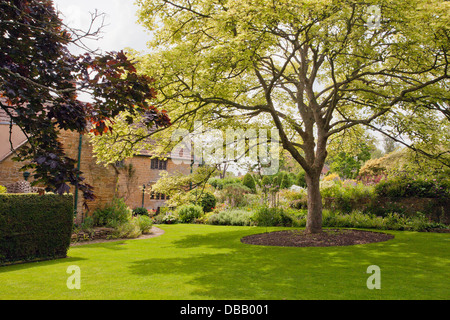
[(311, 69)]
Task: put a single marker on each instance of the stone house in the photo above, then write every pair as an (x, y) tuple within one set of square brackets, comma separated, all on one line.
[(125, 179)]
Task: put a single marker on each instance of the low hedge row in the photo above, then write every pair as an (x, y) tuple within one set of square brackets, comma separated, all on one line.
[(34, 227)]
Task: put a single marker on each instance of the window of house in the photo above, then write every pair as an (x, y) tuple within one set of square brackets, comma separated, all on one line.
[(158, 164), (158, 196)]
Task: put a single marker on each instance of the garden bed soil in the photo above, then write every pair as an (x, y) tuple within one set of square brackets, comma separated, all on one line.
[(327, 238)]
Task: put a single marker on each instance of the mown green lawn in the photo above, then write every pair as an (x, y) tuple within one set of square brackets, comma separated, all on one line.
[(209, 262)]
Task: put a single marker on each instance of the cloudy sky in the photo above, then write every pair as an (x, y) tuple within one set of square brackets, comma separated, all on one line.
[(121, 28)]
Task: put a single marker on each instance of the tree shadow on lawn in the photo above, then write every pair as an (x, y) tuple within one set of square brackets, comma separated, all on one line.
[(38, 264), (219, 266), (110, 245), (113, 245)]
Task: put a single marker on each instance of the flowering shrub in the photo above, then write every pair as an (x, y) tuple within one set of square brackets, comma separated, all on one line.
[(169, 218), (233, 217), (346, 194), (332, 177), (372, 179), (189, 212)]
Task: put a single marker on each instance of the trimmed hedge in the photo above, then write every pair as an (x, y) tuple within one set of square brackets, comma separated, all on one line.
[(34, 227)]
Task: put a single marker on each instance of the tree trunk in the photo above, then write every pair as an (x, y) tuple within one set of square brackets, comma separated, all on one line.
[(314, 218)]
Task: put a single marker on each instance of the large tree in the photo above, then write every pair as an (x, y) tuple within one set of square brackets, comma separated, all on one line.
[(39, 82), (311, 69)]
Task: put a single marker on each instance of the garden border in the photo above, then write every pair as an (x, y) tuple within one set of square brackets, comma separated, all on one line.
[(154, 232)]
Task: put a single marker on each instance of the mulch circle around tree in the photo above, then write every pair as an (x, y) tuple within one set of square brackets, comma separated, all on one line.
[(327, 238)]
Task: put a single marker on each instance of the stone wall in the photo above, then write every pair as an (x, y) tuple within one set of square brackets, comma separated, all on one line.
[(102, 178), (9, 171)]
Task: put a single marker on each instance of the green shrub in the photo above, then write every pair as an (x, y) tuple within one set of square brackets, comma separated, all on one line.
[(235, 194), (392, 221), (127, 229), (87, 224), (187, 213), (286, 182), (403, 187), (233, 217), (219, 184), (266, 182), (265, 216), (294, 199), (252, 200), (355, 219), (298, 204), (169, 219), (113, 214), (145, 223), (300, 179), (34, 227), (2, 189), (207, 200), (140, 211), (346, 196), (133, 227), (249, 182)]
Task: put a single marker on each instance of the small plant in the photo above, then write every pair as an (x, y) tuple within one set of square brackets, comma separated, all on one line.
[(169, 219), (189, 212), (128, 229), (266, 217), (2, 189), (140, 211), (87, 224), (113, 214), (145, 223)]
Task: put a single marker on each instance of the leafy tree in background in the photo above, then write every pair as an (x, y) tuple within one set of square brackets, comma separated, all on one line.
[(40, 79), (347, 164), (389, 145), (348, 151)]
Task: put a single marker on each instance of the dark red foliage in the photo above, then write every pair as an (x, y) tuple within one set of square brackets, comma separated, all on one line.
[(39, 83)]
